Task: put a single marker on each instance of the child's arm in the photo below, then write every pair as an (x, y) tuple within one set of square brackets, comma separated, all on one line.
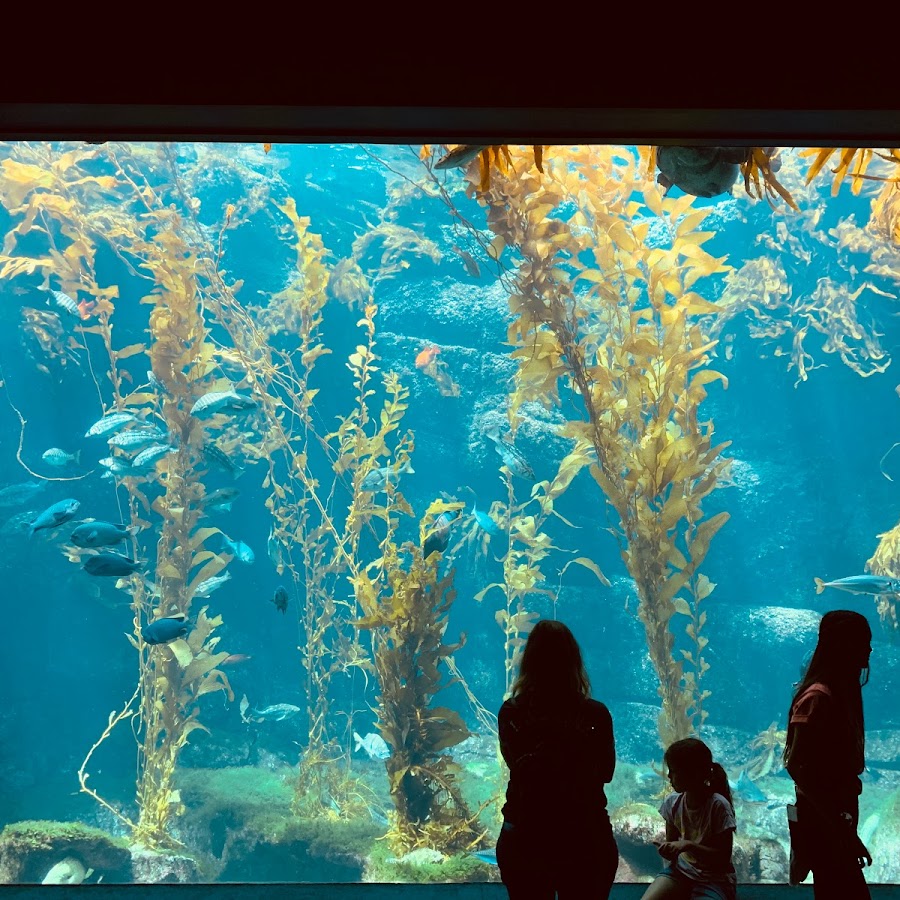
[(716, 851)]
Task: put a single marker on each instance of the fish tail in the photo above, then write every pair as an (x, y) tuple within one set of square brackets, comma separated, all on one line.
[(77, 457), (359, 741), (820, 585)]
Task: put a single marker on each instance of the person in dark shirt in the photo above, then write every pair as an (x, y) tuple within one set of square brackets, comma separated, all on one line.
[(825, 755), (558, 743)]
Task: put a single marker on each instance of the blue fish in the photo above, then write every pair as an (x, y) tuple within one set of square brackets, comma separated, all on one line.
[(55, 515), (861, 584), (745, 787), (161, 631), (486, 856), (100, 534), (485, 522), (111, 564)]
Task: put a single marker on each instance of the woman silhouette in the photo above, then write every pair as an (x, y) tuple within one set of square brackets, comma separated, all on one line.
[(556, 837), (825, 755)]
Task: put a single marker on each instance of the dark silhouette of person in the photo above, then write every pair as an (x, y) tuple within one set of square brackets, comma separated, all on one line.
[(825, 755), (700, 828), (556, 838)]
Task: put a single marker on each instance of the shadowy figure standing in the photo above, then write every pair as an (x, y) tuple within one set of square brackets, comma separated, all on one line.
[(825, 754), (556, 838), (700, 827)]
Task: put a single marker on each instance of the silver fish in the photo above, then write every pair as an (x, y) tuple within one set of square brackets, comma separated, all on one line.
[(221, 401), (130, 440), (460, 156), (205, 588), (59, 458), (378, 479), (374, 745), (277, 712), (275, 550), (64, 302), (513, 458), (861, 584), (110, 423), (239, 550), (117, 466), (148, 457)]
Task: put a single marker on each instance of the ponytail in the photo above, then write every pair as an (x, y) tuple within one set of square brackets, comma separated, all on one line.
[(718, 783)]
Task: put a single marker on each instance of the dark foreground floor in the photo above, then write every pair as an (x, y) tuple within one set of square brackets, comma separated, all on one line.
[(358, 892)]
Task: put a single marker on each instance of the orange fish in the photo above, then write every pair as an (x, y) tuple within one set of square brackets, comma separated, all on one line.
[(86, 308), (426, 357)]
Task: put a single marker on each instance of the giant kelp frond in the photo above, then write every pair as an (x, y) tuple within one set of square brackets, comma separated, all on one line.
[(495, 157), (599, 310), (759, 177), (852, 162)]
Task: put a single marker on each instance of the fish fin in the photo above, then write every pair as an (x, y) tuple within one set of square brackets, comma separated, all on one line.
[(359, 741), (820, 585), (78, 463)]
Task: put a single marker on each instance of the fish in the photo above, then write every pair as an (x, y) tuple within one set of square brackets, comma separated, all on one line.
[(221, 401), (460, 156), (861, 584), (111, 564), (86, 308), (64, 302), (486, 856), (220, 500), (18, 524), (67, 871), (20, 494), (239, 550), (218, 457), (147, 458), (439, 537), (109, 423), (205, 588), (378, 479), (235, 659), (277, 712), (426, 357), (59, 458), (116, 466), (275, 550), (746, 788), (156, 384), (161, 631), (512, 457), (280, 599), (373, 744), (101, 534), (55, 515), (138, 437), (484, 521), (468, 261)]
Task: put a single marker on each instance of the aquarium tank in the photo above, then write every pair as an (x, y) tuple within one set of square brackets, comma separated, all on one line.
[(297, 443)]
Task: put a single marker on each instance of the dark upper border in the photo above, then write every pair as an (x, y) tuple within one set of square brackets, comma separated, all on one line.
[(391, 124)]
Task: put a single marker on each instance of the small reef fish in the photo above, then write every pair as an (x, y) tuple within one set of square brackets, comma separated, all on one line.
[(280, 599), (861, 584), (156, 384), (460, 156), (101, 534), (484, 521), (426, 357), (111, 565), (67, 871), (221, 401), (373, 744), (378, 479), (20, 494), (109, 423), (275, 550), (64, 302), (486, 856), (86, 308), (220, 500), (277, 712), (118, 467), (147, 458), (439, 537), (205, 588), (235, 659), (746, 788), (468, 261), (161, 631), (55, 515), (513, 458), (239, 550), (59, 458), (131, 440), (217, 457)]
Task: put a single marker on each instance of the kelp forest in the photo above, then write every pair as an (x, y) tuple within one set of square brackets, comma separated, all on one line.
[(445, 392)]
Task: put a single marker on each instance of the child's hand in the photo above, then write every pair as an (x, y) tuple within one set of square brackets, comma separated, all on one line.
[(671, 849)]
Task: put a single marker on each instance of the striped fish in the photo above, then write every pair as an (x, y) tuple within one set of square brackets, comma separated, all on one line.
[(64, 302), (109, 423), (512, 457), (221, 401)]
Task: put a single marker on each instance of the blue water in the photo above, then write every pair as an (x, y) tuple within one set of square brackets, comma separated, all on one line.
[(809, 497)]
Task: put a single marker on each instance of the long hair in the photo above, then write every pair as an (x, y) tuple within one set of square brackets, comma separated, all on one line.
[(693, 757), (839, 630), (551, 668)]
